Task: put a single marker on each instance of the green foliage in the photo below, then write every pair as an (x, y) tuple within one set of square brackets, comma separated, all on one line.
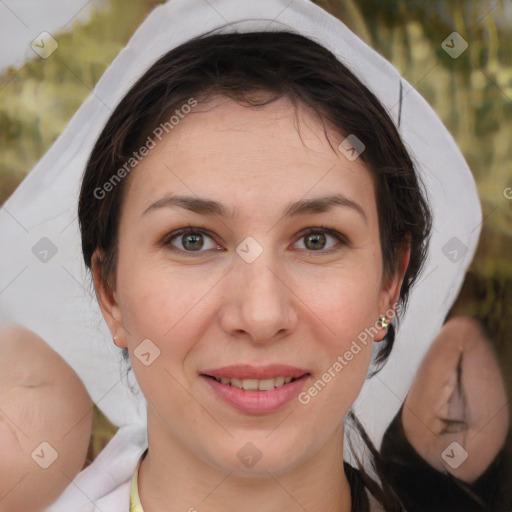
[(38, 100)]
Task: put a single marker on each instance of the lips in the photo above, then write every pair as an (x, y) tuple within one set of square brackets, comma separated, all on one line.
[(257, 396), (248, 372)]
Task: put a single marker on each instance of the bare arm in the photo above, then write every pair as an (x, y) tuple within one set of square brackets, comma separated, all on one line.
[(45, 422)]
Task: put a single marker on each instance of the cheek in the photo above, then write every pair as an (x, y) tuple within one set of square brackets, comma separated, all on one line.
[(154, 297), (347, 316), (348, 300), (161, 304)]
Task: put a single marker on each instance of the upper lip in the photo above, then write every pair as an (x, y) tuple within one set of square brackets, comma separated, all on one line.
[(246, 371)]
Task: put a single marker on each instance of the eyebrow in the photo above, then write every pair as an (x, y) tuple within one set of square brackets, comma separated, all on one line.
[(302, 207)]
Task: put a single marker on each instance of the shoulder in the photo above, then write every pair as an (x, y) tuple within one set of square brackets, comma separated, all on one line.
[(105, 484)]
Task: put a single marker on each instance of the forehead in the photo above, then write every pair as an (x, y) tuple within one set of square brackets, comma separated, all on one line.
[(249, 156)]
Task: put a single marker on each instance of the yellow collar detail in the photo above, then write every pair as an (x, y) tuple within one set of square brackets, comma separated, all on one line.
[(135, 505)]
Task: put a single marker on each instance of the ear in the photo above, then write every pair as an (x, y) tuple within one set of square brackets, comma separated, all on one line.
[(390, 292), (107, 300)]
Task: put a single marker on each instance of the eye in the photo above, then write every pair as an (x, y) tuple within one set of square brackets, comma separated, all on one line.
[(190, 240), (453, 426), (316, 239)]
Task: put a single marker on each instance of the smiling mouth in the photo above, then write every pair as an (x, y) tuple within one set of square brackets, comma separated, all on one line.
[(255, 384)]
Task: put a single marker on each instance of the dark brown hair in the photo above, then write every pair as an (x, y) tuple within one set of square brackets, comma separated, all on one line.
[(237, 65)]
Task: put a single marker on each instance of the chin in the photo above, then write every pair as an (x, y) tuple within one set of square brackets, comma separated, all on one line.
[(256, 459)]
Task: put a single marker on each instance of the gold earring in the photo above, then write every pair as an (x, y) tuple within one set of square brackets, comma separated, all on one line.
[(383, 322)]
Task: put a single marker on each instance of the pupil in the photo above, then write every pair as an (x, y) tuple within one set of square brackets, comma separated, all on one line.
[(194, 239), (316, 241)]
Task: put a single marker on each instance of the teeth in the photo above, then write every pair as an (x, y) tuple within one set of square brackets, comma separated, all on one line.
[(266, 384), (250, 384), (278, 381), (237, 383), (255, 384)]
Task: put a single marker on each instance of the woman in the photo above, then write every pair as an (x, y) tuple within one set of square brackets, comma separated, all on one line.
[(280, 151), (233, 335)]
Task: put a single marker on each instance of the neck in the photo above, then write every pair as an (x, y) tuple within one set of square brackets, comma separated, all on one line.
[(174, 479)]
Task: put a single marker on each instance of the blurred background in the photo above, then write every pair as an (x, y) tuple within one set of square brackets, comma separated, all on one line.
[(471, 93)]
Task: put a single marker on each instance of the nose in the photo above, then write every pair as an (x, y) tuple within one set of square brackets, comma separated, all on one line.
[(259, 304)]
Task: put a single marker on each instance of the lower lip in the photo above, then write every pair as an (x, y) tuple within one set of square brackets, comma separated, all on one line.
[(257, 402)]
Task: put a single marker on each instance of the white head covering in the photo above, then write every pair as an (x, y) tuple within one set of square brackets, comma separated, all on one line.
[(43, 283)]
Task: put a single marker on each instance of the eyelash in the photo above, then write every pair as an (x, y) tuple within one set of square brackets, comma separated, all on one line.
[(342, 240), (450, 425)]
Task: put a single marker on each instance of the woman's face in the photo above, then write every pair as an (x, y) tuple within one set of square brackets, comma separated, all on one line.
[(249, 287)]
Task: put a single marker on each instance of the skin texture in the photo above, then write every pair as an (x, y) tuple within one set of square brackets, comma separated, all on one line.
[(477, 411), (293, 305), (41, 400)]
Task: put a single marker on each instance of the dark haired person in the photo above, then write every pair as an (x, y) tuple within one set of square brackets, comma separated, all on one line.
[(271, 110), (253, 222), (457, 406)]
